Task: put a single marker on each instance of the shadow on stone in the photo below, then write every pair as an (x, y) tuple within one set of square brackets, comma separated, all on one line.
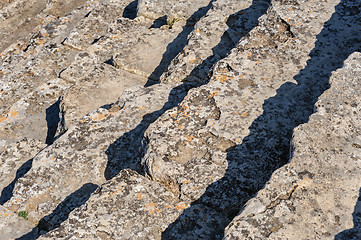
[(97, 40), (110, 62), (131, 10), (355, 232), (61, 212), (128, 150), (177, 45), (267, 147), (7, 192), (161, 21), (52, 120)]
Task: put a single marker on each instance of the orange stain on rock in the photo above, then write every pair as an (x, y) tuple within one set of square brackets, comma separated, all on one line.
[(244, 115), (13, 113), (189, 138), (151, 204), (99, 117), (222, 78), (2, 119), (140, 196), (215, 93), (182, 206), (192, 60), (152, 208)]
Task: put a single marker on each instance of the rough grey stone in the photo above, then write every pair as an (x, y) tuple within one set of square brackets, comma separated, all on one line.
[(256, 120), (87, 152), (314, 196), (172, 9), (11, 225), (140, 209), (94, 25), (65, 166)]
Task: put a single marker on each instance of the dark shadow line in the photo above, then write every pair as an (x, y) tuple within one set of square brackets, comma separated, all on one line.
[(131, 10), (63, 42), (7, 192), (52, 121), (110, 62), (266, 148), (177, 45), (55, 122), (61, 212), (97, 40), (355, 232), (60, 72), (159, 22), (87, 15), (127, 151)]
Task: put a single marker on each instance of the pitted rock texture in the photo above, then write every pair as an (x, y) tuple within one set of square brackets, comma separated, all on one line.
[(94, 25), (41, 70), (134, 199), (314, 195), (159, 119), (11, 225), (19, 17), (213, 38), (64, 167), (154, 9), (255, 121)]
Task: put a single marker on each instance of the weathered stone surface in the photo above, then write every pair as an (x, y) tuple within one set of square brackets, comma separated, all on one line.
[(180, 159), (172, 9), (84, 154), (20, 17), (141, 209), (256, 120), (16, 160), (100, 86), (30, 117), (212, 39), (153, 43), (11, 225), (314, 195), (31, 91), (94, 25)]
